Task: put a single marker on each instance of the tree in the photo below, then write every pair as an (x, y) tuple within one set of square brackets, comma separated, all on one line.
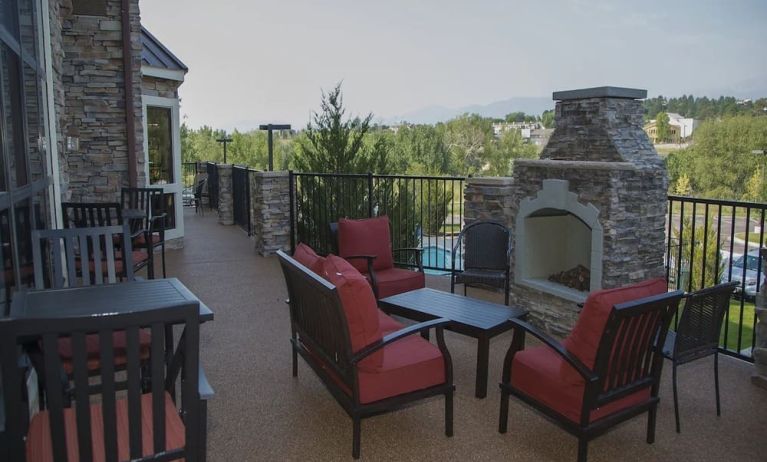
[(662, 128), (333, 144), (699, 257), (682, 186), (755, 186), (547, 119)]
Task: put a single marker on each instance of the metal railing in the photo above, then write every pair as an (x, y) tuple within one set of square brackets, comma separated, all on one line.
[(213, 185), (712, 241), (424, 211), (241, 197)]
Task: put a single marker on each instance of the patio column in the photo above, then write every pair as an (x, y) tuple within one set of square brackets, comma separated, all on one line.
[(488, 198), (225, 201), (270, 209)]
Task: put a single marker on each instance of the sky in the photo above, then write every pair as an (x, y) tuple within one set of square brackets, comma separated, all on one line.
[(254, 61)]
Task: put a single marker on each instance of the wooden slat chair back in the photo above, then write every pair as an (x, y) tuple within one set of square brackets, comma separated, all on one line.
[(94, 427), (91, 214), (82, 256)]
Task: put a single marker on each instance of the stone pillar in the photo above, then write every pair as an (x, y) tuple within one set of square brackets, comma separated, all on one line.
[(225, 198), (270, 209), (760, 348), (487, 198)]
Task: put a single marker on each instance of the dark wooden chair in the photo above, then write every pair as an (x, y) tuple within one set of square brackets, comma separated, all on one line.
[(486, 250), (367, 245), (111, 425), (200, 193), (587, 400), (320, 334), (151, 230), (697, 334), (97, 214)]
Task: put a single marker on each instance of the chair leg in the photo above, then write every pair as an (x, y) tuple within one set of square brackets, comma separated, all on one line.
[(716, 383), (150, 264), (676, 399), (295, 361), (203, 443), (651, 418), (503, 421), (449, 413), (163, 259), (356, 438), (583, 449), (464, 289), (452, 284)]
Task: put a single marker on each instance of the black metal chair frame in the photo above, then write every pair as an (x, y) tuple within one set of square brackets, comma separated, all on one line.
[(458, 276), (15, 333), (155, 221), (200, 189), (605, 384), (369, 259), (319, 333), (697, 334)]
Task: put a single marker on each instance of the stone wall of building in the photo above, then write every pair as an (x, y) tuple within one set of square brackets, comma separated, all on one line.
[(270, 211), (487, 199), (225, 195), (152, 86), (93, 108)]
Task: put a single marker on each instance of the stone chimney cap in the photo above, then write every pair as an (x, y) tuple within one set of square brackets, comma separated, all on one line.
[(600, 92)]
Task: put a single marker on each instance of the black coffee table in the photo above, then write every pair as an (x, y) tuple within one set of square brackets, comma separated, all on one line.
[(475, 318)]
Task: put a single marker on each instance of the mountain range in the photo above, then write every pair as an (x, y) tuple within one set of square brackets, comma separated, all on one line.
[(432, 114)]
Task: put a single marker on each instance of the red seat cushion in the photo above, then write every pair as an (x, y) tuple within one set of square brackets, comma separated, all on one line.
[(119, 344), (543, 375), (309, 258), (366, 237), (406, 365), (39, 446), (387, 324), (584, 339), (395, 281), (359, 303)]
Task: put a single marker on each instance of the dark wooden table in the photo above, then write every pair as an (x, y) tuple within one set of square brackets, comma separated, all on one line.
[(475, 318)]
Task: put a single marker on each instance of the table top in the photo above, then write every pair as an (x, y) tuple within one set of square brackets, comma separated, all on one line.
[(124, 297), (463, 310)]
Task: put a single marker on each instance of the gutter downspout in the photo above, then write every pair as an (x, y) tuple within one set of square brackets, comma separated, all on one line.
[(130, 110)]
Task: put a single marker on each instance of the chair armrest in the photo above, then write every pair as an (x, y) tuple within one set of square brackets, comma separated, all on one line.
[(557, 347), (203, 386), (409, 249), (399, 335), (368, 257)]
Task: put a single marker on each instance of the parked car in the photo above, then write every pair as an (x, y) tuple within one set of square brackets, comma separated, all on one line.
[(750, 263)]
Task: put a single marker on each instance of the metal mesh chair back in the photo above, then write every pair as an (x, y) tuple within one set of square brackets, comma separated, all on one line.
[(81, 256), (112, 416), (317, 317), (697, 333), (627, 358), (485, 246), (147, 200)]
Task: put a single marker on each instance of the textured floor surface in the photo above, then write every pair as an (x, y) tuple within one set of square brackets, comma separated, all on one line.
[(261, 413)]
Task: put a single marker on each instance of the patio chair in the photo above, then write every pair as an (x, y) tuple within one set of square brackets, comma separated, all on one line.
[(149, 201), (367, 245), (200, 192), (369, 362), (111, 425), (486, 250), (605, 372), (97, 214), (697, 334)]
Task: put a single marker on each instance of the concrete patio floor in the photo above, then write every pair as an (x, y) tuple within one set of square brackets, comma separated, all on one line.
[(261, 413)]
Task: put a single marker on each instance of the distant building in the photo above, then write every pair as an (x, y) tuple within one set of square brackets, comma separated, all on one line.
[(680, 128), (499, 128)]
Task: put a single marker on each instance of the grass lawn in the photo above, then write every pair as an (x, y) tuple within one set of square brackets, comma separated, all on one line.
[(753, 237)]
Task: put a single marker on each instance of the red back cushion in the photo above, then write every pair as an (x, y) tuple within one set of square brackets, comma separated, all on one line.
[(366, 237), (309, 258), (584, 340), (358, 301)]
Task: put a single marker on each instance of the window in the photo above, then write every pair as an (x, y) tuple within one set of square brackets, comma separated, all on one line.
[(23, 177), (160, 144)]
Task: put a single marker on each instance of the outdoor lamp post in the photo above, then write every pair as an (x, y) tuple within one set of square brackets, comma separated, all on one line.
[(225, 140), (270, 128)]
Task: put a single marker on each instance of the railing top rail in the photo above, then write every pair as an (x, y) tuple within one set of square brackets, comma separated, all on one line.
[(727, 203), (375, 175)]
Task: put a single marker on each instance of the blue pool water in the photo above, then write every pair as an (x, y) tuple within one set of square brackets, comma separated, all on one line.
[(439, 257)]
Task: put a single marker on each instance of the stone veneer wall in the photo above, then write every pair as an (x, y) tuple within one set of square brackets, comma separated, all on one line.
[(152, 86), (225, 195), (89, 69), (270, 211), (487, 199)]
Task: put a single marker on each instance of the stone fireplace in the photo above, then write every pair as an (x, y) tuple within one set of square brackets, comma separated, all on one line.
[(592, 206)]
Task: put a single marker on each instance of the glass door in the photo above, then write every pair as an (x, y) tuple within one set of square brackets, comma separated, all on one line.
[(163, 158)]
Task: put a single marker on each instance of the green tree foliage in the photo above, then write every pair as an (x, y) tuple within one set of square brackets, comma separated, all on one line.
[(547, 119), (704, 108), (333, 143), (755, 186), (721, 161), (682, 186), (698, 256), (662, 127)]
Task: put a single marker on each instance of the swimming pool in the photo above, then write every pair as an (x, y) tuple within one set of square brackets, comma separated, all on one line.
[(439, 257)]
